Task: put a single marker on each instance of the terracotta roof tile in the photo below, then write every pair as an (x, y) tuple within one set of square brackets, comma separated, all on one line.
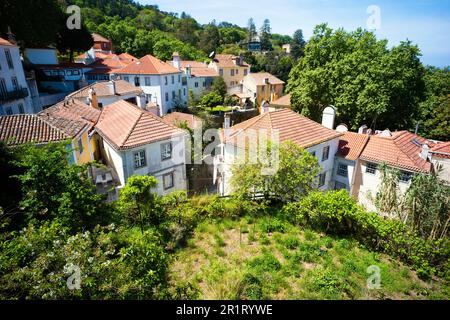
[(176, 118), (102, 89), (351, 145), (126, 126), (28, 128), (441, 150), (401, 149), (290, 125), (227, 61), (148, 65), (259, 78), (282, 101), (71, 116), (99, 38)]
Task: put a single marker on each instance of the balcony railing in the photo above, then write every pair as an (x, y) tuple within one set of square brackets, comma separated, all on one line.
[(14, 94)]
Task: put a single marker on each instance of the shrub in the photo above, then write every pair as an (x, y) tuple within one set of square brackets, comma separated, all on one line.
[(337, 213)]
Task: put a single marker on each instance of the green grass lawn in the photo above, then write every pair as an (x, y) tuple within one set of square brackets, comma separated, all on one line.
[(220, 108), (270, 259)]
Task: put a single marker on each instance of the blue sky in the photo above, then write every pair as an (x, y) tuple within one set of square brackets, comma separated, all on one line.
[(425, 22)]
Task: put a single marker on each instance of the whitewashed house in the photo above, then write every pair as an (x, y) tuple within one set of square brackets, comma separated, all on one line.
[(136, 142), (198, 76), (320, 141), (14, 94), (161, 82)]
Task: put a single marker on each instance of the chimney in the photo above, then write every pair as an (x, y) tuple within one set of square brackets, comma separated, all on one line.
[(188, 70), (112, 87), (93, 98), (176, 61), (425, 151), (227, 121), (328, 117), (141, 101), (362, 129), (266, 81)]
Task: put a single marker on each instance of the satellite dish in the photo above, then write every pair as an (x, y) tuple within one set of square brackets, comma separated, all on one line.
[(212, 54)]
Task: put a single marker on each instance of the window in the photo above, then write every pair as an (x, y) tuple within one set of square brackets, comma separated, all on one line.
[(9, 58), (237, 71), (126, 78), (204, 84), (173, 79), (167, 96), (2, 87), (100, 104), (21, 110), (184, 91), (245, 72), (179, 93), (325, 153), (342, 170), (166, 151), (137, 82), (165, 81), (322, 178), (232, 72), (313, 153), (196, 84), (179, 78), (405, 176), (371, 168), (147, 81), (168, 181), (15, 83), (9, 111), (173, 95), (340, 186), (221, 72), (149, 97), (139, 159), (80, 145)]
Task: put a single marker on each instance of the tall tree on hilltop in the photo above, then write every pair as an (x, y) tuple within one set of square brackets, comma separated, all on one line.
[(298, 44), (265, 35), (210, 38), (251, 29)]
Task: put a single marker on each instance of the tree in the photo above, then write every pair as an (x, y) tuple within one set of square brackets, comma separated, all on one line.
[(186, 30), (298, 44), (266, 35), (138, 202), (295, 177), (52, 187), (219, 86), (434, 111), (74, 40), (251, 30), (211, 100), (367, 82), (209, 39)]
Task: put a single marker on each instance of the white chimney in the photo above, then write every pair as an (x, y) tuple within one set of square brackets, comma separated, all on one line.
[(141, 101), (328, 117), (188, 70), (112, 87), (425, 151), (266, 81), (362, 129), (176, 61), (342, 128)]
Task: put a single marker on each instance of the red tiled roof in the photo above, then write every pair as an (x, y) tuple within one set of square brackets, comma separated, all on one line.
[(126, 126), (259, 78), (4, 42), (401, 149), (71, 116), (102, 89), (99, 38), (176, 118), (198, 69), (148, 65), (28, 128), (351, 145), (290, 125), (441, 150), (283, 101), (227, 61)]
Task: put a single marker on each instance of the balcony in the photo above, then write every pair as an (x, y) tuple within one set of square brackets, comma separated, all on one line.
[(14, 94)]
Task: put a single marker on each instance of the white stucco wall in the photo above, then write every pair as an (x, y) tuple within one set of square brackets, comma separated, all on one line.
[(158, 89), (445, 165), (7, 74)]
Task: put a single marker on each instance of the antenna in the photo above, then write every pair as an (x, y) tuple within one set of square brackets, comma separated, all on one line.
[(212, 54)]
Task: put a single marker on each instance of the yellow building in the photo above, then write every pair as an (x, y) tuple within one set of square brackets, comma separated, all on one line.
[(231, 68), (262, 87)]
